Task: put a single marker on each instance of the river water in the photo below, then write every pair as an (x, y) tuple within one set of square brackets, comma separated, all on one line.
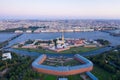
[(5, 36), (87, 35)]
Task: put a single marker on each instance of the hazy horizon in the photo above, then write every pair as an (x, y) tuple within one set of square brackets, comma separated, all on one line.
[(59, 9)]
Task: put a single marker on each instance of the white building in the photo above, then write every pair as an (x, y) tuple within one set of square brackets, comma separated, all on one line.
[(28, 31), (18, 31), (6, 56)]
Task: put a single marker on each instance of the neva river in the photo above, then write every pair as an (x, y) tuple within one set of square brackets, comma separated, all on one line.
[(5, 36), (87, 35)]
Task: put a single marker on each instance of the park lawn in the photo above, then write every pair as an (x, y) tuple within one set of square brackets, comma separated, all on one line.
[(71, 50), (36, 50), (75, 77), (101, 74), (72, 63), (79, 50), (50, 77)]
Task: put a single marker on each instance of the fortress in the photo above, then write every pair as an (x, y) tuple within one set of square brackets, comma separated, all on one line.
[(85, 66)]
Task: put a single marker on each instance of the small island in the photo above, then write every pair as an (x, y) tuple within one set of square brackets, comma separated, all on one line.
[(61, 45)]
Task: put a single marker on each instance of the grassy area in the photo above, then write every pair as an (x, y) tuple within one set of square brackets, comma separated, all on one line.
[(49, 77), (72, 63), (56, 62), (71, 50), (75, 77), (36, 50), (79, 50), (52, 77), (101, 74)]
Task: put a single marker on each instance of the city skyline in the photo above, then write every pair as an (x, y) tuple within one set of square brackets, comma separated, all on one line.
[(62, 9)]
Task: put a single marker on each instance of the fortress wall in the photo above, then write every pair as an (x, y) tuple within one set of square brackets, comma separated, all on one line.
[(88, 66), (42, 60), (63, 73)]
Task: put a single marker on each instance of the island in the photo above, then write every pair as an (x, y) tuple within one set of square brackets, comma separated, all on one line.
[(61, 45)]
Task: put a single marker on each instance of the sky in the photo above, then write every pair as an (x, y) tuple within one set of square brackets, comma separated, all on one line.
[(59, 9)]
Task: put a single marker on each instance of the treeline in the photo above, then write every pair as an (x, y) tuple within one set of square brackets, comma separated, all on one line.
[(103, 42), (3, 44), (21, 28), (19, 68), (109, 61)]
